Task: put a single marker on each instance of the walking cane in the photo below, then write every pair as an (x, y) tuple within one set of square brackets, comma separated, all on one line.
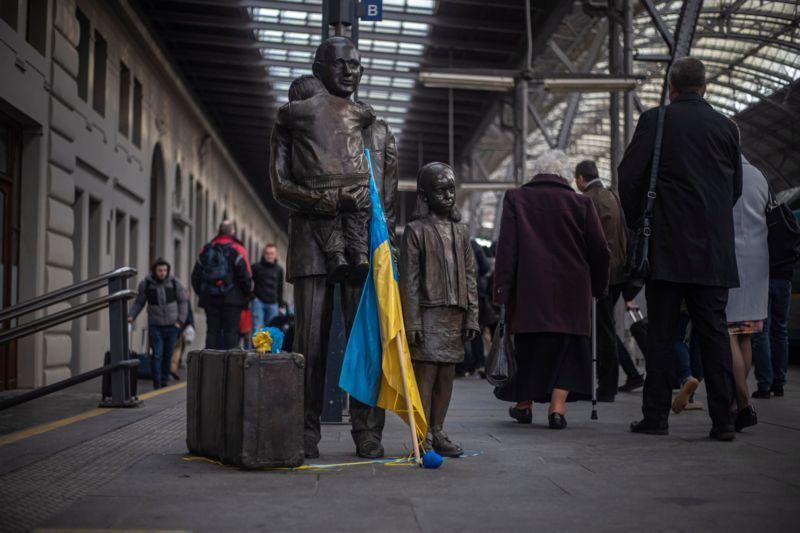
[(594, 359)]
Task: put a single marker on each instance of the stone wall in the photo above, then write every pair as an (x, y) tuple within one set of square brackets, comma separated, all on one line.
[(86, 187)]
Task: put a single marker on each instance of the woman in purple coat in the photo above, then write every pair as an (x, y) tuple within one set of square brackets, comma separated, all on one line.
[(552, 258)]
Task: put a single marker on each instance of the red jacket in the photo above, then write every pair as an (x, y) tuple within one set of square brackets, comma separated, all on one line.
[(552, 257), (243, 288)]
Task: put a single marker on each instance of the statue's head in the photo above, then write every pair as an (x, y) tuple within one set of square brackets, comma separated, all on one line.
[(436, 191), (337, 64)]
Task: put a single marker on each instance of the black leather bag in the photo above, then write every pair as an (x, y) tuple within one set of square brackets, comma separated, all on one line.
[(501, 365), (638, 261), (783, 235)]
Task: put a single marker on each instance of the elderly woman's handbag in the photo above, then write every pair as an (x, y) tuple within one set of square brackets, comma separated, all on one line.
[(501, 365)]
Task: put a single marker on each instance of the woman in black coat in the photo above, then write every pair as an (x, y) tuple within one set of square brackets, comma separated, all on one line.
[(552, 257)]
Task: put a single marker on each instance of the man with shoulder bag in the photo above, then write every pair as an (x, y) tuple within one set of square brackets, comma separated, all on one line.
[(680, 178)]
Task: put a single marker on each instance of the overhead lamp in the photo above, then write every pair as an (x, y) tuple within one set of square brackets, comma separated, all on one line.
[(588, 85), (473, 82)]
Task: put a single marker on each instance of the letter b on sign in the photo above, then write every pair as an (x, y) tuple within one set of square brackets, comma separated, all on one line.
[(372, 10)]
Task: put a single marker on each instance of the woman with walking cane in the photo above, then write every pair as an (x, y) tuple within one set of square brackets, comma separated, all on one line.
[(552, 258)]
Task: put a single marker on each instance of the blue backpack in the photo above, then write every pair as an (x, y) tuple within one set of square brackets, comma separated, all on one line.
[(217, 277)]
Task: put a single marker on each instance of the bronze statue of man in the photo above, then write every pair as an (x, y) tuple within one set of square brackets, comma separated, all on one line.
[(439, 291), (337, 64)]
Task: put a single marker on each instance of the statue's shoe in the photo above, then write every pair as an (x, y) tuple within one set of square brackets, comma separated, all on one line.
[(337, 268), (444, 446), (369, 449)]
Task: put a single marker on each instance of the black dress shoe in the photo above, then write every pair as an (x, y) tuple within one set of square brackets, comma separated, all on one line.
[(523, 416), (631, 384), (606, 398), (745, 418), (648, 427), (723, 433), (369, 449), (557, 421), (761, 394), (311, 450), (777, 390)]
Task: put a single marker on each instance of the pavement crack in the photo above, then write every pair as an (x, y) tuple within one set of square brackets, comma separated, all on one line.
[(581, 465), (562, 489), (495, 438)]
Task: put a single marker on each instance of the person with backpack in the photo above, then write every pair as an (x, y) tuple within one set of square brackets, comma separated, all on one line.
[(223, 280), (167, 312)]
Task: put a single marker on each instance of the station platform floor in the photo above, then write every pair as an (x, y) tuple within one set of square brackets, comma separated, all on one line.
[(67, 466)]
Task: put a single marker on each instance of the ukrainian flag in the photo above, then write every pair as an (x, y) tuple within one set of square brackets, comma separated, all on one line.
[(371, 372)]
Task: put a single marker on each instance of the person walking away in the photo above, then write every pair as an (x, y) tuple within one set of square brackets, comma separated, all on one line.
[(692, 255), (608, 209), (747, 305), (552, 258), (222, 279), (268, 288), (167, 312), (771, 346), (689, 365)]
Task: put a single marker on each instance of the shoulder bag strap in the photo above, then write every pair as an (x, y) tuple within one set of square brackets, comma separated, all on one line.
[(651, 190)]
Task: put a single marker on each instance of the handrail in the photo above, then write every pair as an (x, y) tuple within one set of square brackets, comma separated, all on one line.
[(59, 385), (64, 316), (61, 295)]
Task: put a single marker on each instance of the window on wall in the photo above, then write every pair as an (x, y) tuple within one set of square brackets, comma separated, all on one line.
[(95, 254), (83, 55), (137, 113), (36, 27), (119, 239), (100, 59), (124, 98), (133, 249), (9, 11)]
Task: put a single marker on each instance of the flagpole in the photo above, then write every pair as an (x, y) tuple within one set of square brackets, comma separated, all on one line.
[(412, 423)]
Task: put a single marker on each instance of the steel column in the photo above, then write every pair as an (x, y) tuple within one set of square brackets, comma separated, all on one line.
[(614, 68), (627, 63), (520, 130), (118, 332)]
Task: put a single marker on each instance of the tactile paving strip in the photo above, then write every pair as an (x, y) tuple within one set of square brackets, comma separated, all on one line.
[(33, 493)]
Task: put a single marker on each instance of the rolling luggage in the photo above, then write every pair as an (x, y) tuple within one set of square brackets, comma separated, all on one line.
[(246, 408), (639, 330)]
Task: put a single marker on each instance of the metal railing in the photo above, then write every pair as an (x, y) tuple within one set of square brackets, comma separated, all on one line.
[(120, 365)]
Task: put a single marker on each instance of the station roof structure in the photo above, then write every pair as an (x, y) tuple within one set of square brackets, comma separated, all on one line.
[(239, 57)]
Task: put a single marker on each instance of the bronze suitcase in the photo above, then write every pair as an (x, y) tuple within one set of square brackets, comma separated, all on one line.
[(246, 408)]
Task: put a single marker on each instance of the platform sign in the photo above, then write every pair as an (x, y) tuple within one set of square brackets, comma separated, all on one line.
[(371, 9)]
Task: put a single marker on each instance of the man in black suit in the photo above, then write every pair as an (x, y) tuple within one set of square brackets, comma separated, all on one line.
[(692, 252)]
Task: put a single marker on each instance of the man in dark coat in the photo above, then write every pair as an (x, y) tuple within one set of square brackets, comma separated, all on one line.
[(608, 209), (337, 63), (692, 253), (267, 287)]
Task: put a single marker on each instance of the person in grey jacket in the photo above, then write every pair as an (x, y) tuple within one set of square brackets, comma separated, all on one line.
[(747, 304), (167, 312)]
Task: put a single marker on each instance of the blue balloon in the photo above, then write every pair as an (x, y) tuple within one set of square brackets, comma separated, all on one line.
[(431, 459)]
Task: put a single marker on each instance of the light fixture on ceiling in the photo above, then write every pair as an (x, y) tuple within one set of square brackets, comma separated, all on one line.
[(470, 81)]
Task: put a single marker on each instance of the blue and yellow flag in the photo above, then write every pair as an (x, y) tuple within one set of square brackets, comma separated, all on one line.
[(371, 372)]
